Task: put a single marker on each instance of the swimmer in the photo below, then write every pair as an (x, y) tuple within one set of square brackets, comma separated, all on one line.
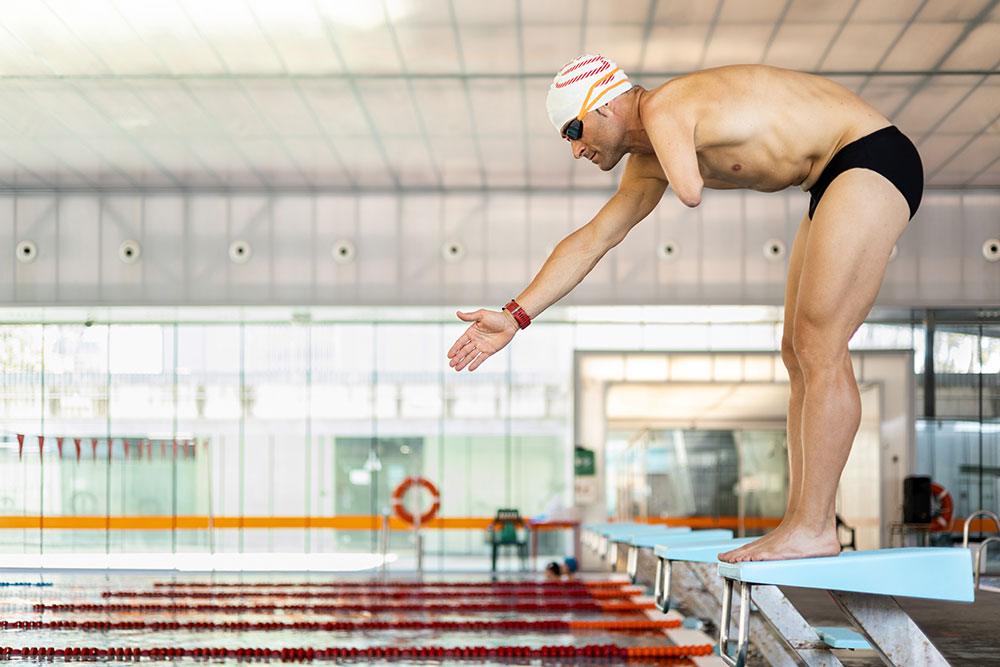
[(556, 571), (759, 128)]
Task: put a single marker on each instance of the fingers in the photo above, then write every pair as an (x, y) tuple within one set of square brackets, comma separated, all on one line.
[(462, 341), (466, 352), (468, 355)]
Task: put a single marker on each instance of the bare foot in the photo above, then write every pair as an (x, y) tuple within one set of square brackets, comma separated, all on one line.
[(791, 543), (761, 542)]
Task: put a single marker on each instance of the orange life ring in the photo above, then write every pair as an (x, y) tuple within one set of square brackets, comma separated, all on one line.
[(400, 509), (941, 519)]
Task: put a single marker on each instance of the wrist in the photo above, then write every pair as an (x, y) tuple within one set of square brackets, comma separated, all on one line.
[(518, 314), (510, 320)]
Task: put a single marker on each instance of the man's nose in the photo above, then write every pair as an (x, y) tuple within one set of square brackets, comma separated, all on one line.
[(577, 148)]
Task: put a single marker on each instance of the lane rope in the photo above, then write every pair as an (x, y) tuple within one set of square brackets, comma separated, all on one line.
[(309, 654), (349, 626)]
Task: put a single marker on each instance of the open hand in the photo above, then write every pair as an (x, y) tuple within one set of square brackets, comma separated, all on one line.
[(490, 332)]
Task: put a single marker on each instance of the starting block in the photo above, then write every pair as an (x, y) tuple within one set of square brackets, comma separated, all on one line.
[(863, 584), (637, 543), (595, 535), (690, 572), (626, 534)]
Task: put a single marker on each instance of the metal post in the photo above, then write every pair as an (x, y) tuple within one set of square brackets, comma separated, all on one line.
[(420, 543), (385, 542)]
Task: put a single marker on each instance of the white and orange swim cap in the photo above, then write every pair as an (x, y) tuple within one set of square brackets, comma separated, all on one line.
[(581, 86)]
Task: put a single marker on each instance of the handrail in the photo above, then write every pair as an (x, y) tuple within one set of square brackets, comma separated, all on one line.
[(983, 545), (968, 521), (979, 557)]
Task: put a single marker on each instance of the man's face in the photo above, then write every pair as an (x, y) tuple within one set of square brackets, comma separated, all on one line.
[(601, 141)]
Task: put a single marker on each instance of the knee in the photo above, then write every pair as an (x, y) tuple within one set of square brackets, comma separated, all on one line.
[(789, 358), (815, 350)]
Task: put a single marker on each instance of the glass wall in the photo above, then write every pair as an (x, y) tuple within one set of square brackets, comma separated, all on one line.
[(958, 435), (269, 437), (726, 475), (252, 430)]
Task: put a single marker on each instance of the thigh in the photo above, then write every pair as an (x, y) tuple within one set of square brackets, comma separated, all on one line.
[(851, 235), (792, 281)]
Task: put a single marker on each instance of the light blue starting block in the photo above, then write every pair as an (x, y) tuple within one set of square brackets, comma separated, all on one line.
[(597, 534), (863, 584), (782, 638), (692, 552), (625, 534), (653, 540)]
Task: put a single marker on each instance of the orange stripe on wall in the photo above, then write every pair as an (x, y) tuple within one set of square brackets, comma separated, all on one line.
[(358, 522), (346, 522)]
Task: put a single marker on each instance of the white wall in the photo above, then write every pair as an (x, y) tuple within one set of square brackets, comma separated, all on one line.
[(399, 239)]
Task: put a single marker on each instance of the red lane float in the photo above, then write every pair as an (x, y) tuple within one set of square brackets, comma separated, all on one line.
[(617, 593), (348, 626), (309, 654), (532, 607), (401, 584)]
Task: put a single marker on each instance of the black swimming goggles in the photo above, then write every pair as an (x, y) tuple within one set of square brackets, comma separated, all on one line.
[(574, 130)]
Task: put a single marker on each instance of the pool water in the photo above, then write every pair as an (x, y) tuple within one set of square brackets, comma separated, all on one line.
[(149, 612)]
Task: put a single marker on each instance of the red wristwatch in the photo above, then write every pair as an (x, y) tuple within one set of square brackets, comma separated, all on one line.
[(522, 317)]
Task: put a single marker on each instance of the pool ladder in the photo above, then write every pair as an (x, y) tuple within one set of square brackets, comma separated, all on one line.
[(982, 546)]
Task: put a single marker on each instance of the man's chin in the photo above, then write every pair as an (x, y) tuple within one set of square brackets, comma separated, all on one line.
[(609, 164)]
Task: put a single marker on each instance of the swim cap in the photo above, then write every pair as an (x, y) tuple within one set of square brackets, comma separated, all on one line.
[(583, 85)]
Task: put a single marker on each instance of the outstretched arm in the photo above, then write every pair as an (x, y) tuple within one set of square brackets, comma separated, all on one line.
[(570, 261)]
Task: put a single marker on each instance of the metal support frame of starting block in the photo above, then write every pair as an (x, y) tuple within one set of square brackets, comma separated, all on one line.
[(626, 535), (689, 572), (599, 535), (639, 542), (863, 584)]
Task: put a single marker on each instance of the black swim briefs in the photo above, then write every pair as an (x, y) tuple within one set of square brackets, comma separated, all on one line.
[(887, 152)]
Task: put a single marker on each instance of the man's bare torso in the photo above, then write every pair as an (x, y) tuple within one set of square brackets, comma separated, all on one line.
[(759, 127)]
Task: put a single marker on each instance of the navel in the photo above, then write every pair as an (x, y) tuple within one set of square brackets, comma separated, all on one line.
[(737, 166)]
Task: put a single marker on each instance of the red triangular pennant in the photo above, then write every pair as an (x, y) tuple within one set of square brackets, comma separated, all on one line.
[(93, 443), (20, 444), (125, 441), (76, 441), (41, 441), (59, 442)]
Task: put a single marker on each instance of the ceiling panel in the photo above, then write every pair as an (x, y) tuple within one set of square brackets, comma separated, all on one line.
[(832, 12), (675, 49), (800, 45), (922, 46), (977, 111), (860, 46), (118, 47), (737, 44), (975, 156), (952, 10), (685, 12), (624, 41), (979, 50), (430, 94), (743, 12), (169, 33), (930, 105)]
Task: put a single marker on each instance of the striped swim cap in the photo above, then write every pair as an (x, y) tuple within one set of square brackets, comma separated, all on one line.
[(581, 86)]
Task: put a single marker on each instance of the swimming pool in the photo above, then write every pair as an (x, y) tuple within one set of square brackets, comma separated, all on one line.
[(240, 618)]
